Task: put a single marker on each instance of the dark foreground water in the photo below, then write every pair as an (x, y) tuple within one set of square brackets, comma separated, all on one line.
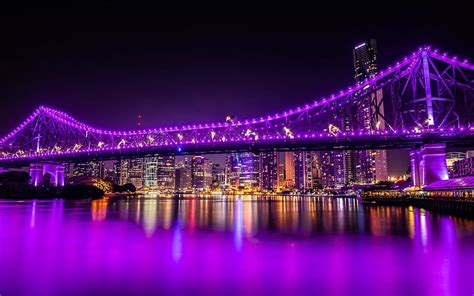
[(234, 246)]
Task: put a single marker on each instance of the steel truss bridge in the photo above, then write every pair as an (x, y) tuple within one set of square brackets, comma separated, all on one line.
[(426, 97)]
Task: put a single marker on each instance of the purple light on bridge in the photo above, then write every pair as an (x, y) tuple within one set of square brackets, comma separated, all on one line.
[(404, 65)]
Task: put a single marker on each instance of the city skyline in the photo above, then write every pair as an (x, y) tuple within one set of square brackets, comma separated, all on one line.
[(358, 111), (174, 70), (354, 166), (324, 151)]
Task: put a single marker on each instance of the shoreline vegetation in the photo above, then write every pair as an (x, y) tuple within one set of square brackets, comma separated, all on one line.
[(14, 185)]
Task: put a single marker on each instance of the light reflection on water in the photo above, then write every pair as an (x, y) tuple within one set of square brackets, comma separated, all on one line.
[(231, 246)]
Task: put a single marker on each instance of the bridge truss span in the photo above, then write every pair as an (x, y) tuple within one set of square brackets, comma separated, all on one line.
[(425, 96)]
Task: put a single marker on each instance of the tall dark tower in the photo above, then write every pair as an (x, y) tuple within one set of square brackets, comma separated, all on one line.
[(371, 164), (365, 60)]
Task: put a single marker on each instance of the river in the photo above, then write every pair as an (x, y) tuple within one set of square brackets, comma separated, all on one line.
[(231, 246)]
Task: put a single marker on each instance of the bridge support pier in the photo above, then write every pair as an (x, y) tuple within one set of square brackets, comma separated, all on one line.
[(48, 174), (428, 164)]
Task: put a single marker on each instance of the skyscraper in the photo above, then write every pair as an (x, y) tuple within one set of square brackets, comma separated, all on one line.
[(135, 174), (201, 173), (268, 171), (150, 171), (165, 171), (89, 168), (218, 174), (371, 164), (316, 169), (183, 178), (121, 168), (243, 170), (365, 60), (249, 172), (289, 170), (333, 173), (281, 172), (306, 170), (339, 166), (232, 170)]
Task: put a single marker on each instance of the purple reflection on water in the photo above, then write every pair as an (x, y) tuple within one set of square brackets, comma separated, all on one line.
[(279, 246), (238, 227)]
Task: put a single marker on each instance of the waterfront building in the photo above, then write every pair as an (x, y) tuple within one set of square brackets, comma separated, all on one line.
[(333, 173), (289, 182), (243, 170), (109, 174), (183, 177), (89, 168), (68, 170), (218, 174), (302, 170), (201, 173), (316, 172), (452, 157), (371, 164), (281, 171), (165, 171), (463, 167), (128, 171), (268, 171), (121, 168), (307, 173), (249, 172), (135, 174), (339, 165), (150, 171), (183, 180), (232, 171)]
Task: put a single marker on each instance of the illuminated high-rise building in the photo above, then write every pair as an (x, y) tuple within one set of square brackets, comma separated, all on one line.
[(232, 170), (156, 171), (249, 172), (451, 158), (122, 171), (218, 174), (135, 174), (281, 172), (242, 170), (371, 164), (150, 171), (365, 60), (339, 166), (89, 168), (307, 172), (333, 173), (183, 178), (201, 173), (109, 174), (268, 171), (289, 170), (165, 172), (316, 169)]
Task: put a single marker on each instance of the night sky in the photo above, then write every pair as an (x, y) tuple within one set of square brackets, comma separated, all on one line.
[(200, 66)]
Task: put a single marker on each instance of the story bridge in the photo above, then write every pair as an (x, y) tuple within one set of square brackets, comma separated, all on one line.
[(423, 102)]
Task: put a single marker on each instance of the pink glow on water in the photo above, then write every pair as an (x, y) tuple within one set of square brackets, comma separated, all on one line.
[(289, 246)]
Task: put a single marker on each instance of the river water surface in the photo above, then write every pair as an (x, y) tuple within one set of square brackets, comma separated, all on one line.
[(231, 246)]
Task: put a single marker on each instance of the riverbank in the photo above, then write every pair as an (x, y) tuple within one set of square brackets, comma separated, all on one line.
[(463, 207)]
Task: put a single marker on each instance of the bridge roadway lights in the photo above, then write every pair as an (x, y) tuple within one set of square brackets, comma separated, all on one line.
[(47, 174), (428, 164)]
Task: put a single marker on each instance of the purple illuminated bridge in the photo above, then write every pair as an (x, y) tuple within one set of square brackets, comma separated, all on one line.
[(424, 102)]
